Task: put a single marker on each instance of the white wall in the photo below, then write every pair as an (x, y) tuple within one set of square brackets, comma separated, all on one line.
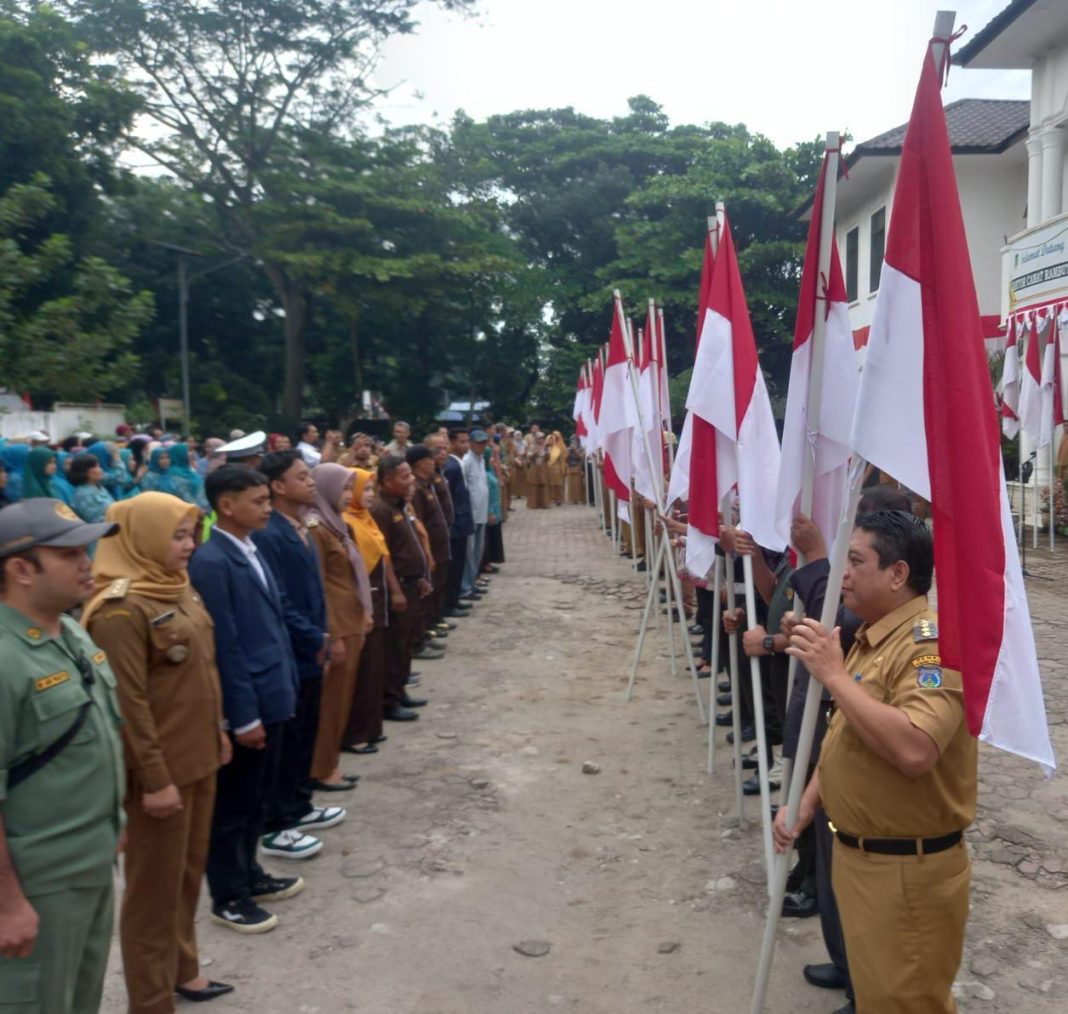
[(857, 214)]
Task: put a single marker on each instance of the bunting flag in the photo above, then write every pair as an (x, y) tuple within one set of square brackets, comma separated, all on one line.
[(679, 486), (925, 415), (734, 437), (1030, 411), (618, 416), (828, 434), (1010, 382)]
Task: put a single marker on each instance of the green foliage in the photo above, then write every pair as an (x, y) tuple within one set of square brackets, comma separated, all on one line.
[(74, 343)]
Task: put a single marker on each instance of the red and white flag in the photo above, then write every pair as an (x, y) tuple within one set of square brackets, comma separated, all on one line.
[(679, 485), (593, 420), (648, 475), (1031, 383), (828, 434), (660, 357), (618, 416), (1010, 381), (578, 411), (1052, 400), (925, 415), (734, 437)]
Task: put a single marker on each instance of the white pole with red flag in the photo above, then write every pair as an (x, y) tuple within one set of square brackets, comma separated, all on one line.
[(664, 549), (924, 400)]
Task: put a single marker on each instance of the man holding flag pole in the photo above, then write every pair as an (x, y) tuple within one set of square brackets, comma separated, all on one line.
[(897, 773)]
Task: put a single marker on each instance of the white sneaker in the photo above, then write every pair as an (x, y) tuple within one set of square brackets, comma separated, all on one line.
[(775, 774), (319, 817), (290, 844)]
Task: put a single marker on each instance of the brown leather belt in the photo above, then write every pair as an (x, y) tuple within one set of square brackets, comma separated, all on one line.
[(901, 846)]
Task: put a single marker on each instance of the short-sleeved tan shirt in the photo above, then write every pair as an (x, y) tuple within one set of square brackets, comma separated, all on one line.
[(896, 660)]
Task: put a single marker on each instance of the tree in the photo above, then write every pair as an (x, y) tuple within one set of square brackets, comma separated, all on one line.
[(74, 343), (225, 81)]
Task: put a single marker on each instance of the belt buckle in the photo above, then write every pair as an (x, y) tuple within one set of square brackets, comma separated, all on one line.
[(830, 824)]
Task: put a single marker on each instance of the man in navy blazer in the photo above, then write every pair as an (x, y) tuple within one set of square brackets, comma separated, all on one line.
[(259, 679), (284, 544), (463, 525)]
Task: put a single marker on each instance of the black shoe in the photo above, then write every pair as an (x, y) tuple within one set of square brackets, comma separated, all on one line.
[(243, 917), (366, 748), (425, 651), (796, 877), (209, 992), (458, 612), (826, 976), (642, 567), (398, 714), (724, 720), (750, 764), (800, 905), (379, 739), (751, 787), (724, 686), (413, 702), (412, 681), (724, 700), (269, 888), (696, 628), (704, 674), (471, 596), (446, 626), (321, 786), (748, 734)]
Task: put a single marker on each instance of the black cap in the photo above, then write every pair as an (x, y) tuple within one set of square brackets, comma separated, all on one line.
[(41, 521)]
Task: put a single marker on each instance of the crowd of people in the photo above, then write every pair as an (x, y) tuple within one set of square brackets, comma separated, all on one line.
[(191, 639)]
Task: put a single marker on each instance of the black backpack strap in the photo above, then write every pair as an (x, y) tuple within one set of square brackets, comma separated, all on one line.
[(20, 772)]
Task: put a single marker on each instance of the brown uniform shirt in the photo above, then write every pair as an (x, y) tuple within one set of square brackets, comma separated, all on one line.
[(405, 551), (344, 614), (428, 509), (163, 657), (441, 487), (896, 660)]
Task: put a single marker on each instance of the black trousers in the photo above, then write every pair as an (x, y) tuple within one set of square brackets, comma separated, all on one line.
[(830, 923), (399, 646), (457, 562), (244, 787), (365, 719), (293, 795)]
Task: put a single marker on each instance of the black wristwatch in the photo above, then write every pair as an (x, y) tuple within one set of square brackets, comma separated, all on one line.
[(769, 643)]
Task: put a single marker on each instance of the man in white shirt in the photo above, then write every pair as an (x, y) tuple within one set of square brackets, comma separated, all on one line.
[(474, 467), (398, 446)]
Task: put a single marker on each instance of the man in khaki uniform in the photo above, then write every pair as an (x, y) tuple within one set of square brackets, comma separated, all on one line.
[(61, 768), (897, 775)]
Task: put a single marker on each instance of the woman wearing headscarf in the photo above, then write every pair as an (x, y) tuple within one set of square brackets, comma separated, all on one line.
[(4, 501), (160, 643), (349, 616), (118, 480), (90, 500), (537, 472), (557, 463), (158, 479), (184, 481), (493, 553), (37, 473), (576, 473), (519, 464), (14, 457), (365, 720)]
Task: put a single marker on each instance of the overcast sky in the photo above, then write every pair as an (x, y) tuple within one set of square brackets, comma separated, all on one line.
[(789, 69)]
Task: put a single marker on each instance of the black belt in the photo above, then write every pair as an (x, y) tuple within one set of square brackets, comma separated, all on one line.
[(901, 846), (409, 580)]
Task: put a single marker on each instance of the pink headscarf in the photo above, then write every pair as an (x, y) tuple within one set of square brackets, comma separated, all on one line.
[(330, 480)]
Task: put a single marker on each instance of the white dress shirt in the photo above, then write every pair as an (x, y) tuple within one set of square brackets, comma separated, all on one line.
[(477, 485)]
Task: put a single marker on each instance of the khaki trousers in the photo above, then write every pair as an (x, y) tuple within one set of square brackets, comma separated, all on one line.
[(903, 918), (335, 705), (164, 865)]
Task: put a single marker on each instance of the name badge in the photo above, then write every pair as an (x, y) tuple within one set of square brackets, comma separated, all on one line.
[(52, 680)]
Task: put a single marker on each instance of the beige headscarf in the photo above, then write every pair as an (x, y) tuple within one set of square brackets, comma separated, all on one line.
[(139, 550)]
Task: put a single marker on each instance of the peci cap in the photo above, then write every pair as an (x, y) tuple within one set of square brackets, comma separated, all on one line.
[(244, 447), (41, 521), (479, 437)]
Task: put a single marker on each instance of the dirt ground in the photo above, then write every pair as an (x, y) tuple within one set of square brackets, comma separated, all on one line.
[(476, 830)]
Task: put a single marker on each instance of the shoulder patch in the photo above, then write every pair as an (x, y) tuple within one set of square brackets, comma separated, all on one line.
[(313, 522), (925, 630), (117, 590), (100, 658), (929, 677), (924, 660), (398, 517)]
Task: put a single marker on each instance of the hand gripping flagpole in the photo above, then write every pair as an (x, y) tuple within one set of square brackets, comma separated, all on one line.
[(664, 549), (813, 402), (943, 29)]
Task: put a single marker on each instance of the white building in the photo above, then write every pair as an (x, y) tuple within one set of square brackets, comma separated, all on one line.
[(1033, 35)]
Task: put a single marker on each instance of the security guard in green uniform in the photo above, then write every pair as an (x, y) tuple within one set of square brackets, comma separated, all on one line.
[(61, 768)]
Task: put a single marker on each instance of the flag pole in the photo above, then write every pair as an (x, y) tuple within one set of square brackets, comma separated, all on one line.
[(713, 662), (665, 541), (815, 379), (943, 29)]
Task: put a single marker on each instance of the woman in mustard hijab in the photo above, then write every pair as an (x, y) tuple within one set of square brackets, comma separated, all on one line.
[(557, 467), (161, 646), (365, 720)]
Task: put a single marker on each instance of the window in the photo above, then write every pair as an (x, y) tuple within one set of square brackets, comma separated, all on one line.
[(878, 248), (852, 262)]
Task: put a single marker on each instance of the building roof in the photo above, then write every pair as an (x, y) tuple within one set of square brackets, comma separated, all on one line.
[(1012, 41), (976, 127)]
